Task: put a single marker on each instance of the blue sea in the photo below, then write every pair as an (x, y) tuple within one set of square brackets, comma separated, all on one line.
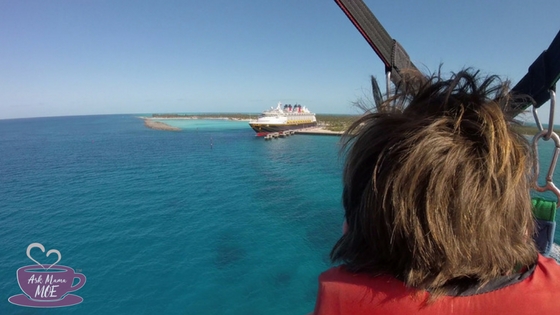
[(209, 220)]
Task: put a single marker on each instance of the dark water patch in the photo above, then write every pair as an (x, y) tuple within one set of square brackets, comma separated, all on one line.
[(282, 279), (227, 255), (229, 251)]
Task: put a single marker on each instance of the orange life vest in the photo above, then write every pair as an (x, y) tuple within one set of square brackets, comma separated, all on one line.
[(342, 292)]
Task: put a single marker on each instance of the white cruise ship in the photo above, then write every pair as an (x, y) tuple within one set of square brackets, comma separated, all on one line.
[(282, 118)]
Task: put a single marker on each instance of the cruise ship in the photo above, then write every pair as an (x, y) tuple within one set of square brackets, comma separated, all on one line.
[(283, 118)]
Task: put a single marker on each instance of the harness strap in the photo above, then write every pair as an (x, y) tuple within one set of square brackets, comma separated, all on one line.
[(541, 76), (391, 53)]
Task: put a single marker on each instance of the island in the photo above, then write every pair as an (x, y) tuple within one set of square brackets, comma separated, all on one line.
[(327, 124)]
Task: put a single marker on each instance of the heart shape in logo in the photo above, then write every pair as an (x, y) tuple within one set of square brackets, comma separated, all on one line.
[(42, 248)]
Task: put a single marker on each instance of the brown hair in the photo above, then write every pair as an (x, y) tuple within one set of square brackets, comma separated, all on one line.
[(436, 185)]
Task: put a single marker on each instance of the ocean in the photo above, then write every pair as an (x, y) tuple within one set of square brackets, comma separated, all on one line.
[(209, 220)]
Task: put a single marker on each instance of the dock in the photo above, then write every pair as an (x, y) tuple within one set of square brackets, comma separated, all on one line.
[(306, 131), (272, 135)]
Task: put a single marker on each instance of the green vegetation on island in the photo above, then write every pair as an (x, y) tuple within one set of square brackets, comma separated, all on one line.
[(335, 122)]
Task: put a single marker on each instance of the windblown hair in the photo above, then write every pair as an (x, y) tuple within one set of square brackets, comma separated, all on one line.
[(436, 185)]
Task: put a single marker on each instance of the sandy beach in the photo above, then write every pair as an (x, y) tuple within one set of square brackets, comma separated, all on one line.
[(318, 131)]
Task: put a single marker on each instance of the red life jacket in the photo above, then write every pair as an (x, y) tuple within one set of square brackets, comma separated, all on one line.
[(342, 292)]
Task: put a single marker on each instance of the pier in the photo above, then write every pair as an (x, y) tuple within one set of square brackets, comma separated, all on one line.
[(276, 135), (306, 131)]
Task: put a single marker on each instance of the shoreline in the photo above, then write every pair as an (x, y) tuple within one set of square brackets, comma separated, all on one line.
[(327, 124), (197, 117), (318, 131), (150, 122)]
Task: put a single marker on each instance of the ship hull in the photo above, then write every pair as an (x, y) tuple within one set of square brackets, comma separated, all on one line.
[(262, 128)]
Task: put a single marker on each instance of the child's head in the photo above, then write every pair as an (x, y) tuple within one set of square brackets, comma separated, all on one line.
[(436, 185)]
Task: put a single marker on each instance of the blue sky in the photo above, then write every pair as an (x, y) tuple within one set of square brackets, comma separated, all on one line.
[(82, 57)]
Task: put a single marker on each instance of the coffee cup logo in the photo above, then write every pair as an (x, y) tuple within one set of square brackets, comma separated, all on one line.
[(47, 285)]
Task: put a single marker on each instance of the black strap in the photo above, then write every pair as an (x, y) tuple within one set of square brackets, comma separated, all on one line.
[(391, 53), (542, 75)]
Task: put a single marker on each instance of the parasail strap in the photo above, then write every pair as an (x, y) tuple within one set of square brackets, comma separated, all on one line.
[(391, 53)]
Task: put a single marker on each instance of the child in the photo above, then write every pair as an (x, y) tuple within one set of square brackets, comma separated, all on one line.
[(437, 205)]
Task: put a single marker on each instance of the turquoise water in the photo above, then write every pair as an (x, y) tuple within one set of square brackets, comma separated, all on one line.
[(210, 220)]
